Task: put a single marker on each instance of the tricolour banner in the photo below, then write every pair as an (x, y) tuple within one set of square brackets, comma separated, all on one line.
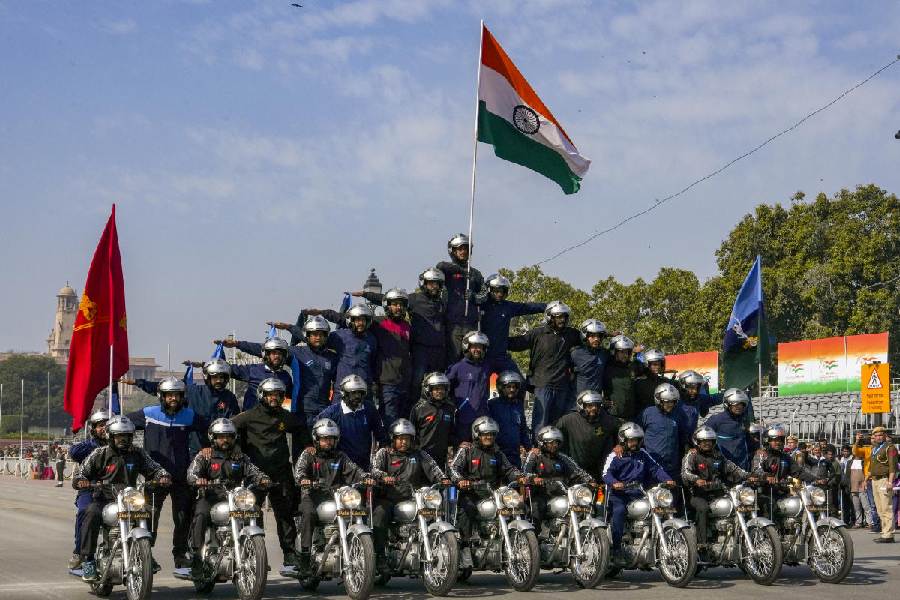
[(827, 365), (705, 363)]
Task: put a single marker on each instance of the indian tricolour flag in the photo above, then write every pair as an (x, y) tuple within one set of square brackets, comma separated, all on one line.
[(512, 118)]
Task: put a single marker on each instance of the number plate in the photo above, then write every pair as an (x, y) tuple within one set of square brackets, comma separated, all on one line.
[(356, 512), (428, 512), (135, 515), (244, 514), (581, 509), (507, 512)]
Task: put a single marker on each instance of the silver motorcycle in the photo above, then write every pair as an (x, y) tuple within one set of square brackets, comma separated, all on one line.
[(576, 540), (655, 538), (738, 537), (809, 533), (342, 546), (422, 542), (234, 547), (503, 540), (124, 556)]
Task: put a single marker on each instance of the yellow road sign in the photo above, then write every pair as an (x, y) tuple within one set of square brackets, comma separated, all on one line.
[(875, 388)]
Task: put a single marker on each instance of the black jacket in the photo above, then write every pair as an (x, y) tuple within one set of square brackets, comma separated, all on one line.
[(455, 284), (263, 437), (767, 463), (588, 442), (489, 466), (332, 470), (412, 470), (712, 467), (644, 386), (436, 427), (619, 390), (550, 361), (229, 469), (108, 465), (555, 468)]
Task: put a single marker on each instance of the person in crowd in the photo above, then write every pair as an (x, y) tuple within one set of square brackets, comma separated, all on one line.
[(359, 421), (589, 434), (469, 383), (550, 364), (496, 314), (732, 428), (589, 360), (274, 354), (773, 467), (618, 379), (693, 387), (882, 473), (663, 428), (434, 417), (508, 409), (393, 361), (464, 284), (862, 450), (77, 453), (651, 376)]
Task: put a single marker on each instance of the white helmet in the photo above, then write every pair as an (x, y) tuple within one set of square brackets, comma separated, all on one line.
[(325, 428), (402, 427), (435, 379), (498, 281), (735, 396), (556, 308), (629, 431), (360, 310), (704, 433), (475, 338), (353, 383), (216, 366), (395, 294), (460, 239), (508, 377), (272, 384), (221, 427), (665, 392), (654, 355), (168, 385), (484, 425), (589, 326), (316, 323), (691, 378), (119, 425), (776, 431), (548, 433), (622, 342), (431, 274), (588, 397)]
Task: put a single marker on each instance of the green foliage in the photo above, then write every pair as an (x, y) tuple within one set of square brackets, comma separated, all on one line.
[(33, 369)]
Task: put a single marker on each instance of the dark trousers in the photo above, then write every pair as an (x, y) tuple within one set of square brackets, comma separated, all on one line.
[(393, 403), (425, 359), (201, 518), (82, 500), (455, 333), (382, 515), (539, 501), (467, 513), (616, 507), (701, 517), (90, 527), (182, 504), (283, 498), (308, 517), (550, 403)]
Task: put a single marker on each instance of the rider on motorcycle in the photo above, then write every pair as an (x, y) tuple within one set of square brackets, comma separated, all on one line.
[(222, 463), (116, 463), (481, 461), (547, 466), (775, 466), (635, 465), (399, 470), (319, 473)]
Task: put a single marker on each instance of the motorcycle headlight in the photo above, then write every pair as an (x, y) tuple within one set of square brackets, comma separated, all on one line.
[(432, 499), (663, 497), (244, 499), (349, 497), (816, 495), (132, 499), (511, 498), (747, 496), (583, 495)]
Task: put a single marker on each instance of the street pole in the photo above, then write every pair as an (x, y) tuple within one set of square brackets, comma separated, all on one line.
[(233, 360), (21, 423), (48, 411)]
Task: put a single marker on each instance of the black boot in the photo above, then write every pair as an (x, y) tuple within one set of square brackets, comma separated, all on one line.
[(381, 564), (303, 567)]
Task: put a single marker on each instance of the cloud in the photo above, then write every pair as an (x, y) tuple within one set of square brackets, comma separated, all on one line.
[(119, 27)]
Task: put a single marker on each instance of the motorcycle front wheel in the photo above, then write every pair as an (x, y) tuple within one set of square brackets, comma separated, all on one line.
[(589, 570), (834, 562), (139, 579), (359, 572), (679, 564), (439, 576), (764, 566), (524, 566), (251, 579)]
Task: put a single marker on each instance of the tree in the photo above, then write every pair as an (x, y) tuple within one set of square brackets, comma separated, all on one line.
[(33, 369)]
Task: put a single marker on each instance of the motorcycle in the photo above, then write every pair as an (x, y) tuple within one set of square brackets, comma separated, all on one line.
[(422, 542), (809, 533), (738, 537), (124, 556), (503, 540), (575, 538), (234, 547), (342, 546), (649, 541)]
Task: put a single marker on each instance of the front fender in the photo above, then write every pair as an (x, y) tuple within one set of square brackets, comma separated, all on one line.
[(359, 529), (591, 523), (759, 522), (138, 533), (676, 523), (252, 530), (830, 521), (441, 527), (520, 525)]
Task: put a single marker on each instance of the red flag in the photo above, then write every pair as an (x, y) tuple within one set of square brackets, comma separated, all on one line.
[(100, 322)]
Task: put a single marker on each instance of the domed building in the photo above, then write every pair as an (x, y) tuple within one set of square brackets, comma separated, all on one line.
[(61, 335)]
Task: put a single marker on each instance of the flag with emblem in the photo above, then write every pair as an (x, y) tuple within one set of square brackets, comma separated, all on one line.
[(513, 119), (745, 344), (100, 324)]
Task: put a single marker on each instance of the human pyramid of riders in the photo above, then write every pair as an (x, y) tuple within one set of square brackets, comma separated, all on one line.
[(399, 463)]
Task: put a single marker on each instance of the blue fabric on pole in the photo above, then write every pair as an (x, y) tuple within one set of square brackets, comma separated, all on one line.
[(295, 390), (116, 406), (272, 332), (219, 352), (345, 303), (189, 375), (748, 307)]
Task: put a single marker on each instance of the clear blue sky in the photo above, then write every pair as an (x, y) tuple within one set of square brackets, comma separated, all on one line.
[(264, 157)]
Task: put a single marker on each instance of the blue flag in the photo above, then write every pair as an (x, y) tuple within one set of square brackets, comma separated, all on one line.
[(295, 389), (116, 405), (345, 303), (747, 312), (219, 352), (272, 332), (189, 375)]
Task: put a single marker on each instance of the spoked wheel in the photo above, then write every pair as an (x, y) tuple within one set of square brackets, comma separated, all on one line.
[(678, 565), (834, 562), (524, 566), (762, 561), (250, 580), (439, 575), (359, 572), (590, 568), (139, 579)]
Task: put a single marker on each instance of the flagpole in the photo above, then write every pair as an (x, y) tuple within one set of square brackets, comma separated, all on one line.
[(21, 421), (474, 162), (48, 411), (233, 360), (110, 407)]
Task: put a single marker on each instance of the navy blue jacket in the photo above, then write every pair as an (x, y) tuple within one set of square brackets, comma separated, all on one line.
[(663, 435), (514, 432), (206, 402), (256, 373), (733, 437), (427, 325), (356, 354), (82, 450), (167, 438), (495, 319), (317, 373), (455, 284), (588, 366), (636, 466), (469, 387), (357, 430)]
